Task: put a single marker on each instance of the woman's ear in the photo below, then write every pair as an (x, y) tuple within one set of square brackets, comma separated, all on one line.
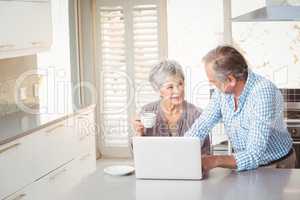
[(160, 93)]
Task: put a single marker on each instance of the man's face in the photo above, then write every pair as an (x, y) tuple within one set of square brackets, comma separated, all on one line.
[(226, 86)]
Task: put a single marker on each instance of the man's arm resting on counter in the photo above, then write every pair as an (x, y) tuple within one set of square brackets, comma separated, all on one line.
[(226, 161)]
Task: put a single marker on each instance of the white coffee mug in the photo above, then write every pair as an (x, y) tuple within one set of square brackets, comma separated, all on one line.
[(148, 119)]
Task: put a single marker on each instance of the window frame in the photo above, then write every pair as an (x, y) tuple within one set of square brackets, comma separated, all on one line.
[(124, 152)]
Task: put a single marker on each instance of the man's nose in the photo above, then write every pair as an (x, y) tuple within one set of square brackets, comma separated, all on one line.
[(212, 86)]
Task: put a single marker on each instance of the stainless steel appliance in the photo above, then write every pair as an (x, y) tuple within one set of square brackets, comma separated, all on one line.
[(273, 11), (292, 117)]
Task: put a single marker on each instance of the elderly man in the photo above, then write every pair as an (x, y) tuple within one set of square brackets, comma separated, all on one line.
[(251, 108)]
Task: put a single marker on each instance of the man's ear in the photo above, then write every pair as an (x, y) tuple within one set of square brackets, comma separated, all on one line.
[(232, 80)]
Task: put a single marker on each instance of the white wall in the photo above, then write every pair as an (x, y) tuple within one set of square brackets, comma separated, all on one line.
[(55, 92), (272, 49), (194, 27)]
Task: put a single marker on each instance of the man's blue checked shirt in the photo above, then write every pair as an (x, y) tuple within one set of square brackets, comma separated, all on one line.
[(256, 130)]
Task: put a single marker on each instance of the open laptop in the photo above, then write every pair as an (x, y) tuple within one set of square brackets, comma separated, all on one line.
[(167, 157)]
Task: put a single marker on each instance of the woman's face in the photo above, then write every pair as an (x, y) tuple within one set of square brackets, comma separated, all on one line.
[(172, 91)]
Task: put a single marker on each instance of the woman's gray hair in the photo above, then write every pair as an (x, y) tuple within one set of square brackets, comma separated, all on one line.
[(164, 69)]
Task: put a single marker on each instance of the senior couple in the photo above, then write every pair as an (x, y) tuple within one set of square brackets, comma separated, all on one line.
[(249, 105)]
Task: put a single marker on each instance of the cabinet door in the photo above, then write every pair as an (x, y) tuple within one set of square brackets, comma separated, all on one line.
[(25, 27), (15, 165), (55, 185), (38, 26), (86, 164), (55, 145), (30, 0), (86, 132), (29, 158)]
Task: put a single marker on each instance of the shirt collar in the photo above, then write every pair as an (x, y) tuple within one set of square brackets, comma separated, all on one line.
[(248, 86)]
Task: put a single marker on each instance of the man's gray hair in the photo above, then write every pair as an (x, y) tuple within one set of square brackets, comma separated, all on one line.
[(164, 69), (226, 61)]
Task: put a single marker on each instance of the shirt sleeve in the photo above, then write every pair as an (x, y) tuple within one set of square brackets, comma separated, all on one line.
[(263, 116), (209, 117)]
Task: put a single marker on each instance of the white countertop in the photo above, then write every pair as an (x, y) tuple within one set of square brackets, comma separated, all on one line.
[(220, 184), (20, 124)]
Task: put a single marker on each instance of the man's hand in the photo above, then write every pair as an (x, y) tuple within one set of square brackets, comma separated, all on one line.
[(209, 162)]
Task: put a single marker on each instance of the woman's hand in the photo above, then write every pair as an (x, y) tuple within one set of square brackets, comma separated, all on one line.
[(138, 126)]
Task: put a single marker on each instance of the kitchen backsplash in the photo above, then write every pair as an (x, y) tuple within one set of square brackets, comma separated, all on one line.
[(10, 70), (272, 49)]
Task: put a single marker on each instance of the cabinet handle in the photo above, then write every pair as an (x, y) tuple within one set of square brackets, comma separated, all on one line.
[(54, 128), (83, 117), (296, 142), (57, 174), (9, 147), (85, 156), (84, 136), (20, 196), (4, 46), (36, 43)]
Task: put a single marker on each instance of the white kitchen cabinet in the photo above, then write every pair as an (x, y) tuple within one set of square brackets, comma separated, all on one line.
[(86, 164), (29, 0), (57, 184), (15, 165), (31, 157), (56, 145), (26, 27), (86, 132), (49, 162)]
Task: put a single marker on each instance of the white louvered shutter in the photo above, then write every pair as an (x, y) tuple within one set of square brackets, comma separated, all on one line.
[(128, 44), (113, 75), (146, 50)]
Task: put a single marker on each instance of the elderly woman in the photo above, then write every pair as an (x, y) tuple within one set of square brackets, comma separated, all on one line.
[(174, 115)]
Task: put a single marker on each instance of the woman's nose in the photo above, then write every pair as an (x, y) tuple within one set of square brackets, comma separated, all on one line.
[(176, 89)]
